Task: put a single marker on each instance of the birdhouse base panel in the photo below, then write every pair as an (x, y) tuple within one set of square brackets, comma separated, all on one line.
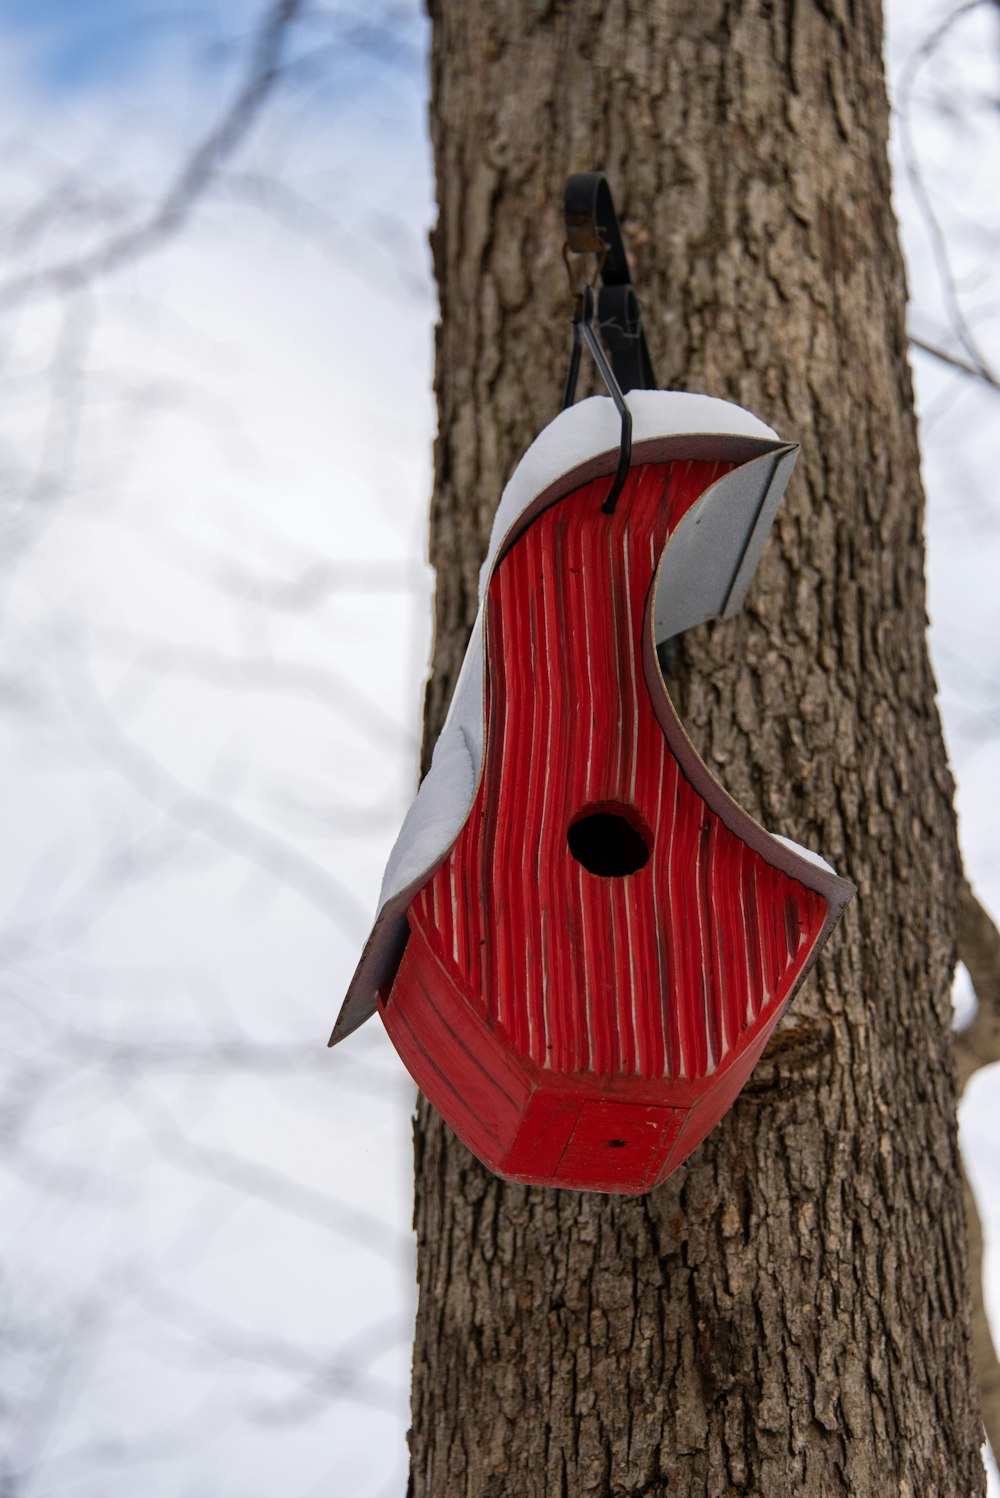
[(622, 1134)]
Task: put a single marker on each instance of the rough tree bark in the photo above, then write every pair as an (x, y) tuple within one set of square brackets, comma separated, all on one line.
[(789, 1313)]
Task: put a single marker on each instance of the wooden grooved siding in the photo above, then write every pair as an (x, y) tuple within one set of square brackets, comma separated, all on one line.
[(656, 974)]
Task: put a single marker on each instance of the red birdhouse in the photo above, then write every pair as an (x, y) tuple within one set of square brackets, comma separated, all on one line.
[(583, 943)]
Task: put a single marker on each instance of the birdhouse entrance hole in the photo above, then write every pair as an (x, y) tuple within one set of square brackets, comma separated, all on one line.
[(610, 840)]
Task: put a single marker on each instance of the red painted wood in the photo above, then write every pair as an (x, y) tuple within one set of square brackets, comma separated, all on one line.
[(653, 991)]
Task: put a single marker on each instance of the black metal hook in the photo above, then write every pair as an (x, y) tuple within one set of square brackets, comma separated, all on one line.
[(610, 311), (592, 228), (583, 329)]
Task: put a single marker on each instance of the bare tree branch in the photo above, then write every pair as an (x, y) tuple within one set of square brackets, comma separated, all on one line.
[(325, 688), (321, 1376), (179, 1052), (212, 818), (974, 371), (22, 523), (979, 948), (984, 1350), (310, 586), (312, 223), (976, 1046), (978, 364), (199, 170), (271, 1186), (66, 1365)]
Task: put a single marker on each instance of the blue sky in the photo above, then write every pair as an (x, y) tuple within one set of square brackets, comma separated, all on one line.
[(68, 48), (77, 45)]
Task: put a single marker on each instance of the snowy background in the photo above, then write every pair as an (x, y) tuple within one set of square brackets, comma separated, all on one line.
[(215, 605)]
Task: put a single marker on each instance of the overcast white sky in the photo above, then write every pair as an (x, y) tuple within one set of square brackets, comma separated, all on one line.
[(216, 613)]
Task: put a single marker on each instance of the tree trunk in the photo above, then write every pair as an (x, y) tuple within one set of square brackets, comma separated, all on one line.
[(788, 1314)]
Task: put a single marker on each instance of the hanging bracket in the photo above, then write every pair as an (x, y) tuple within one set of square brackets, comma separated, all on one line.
[(608, 312), (592, 228)]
